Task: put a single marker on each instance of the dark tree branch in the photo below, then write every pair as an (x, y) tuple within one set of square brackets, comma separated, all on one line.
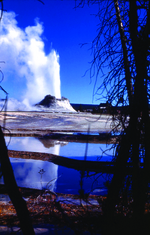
[(125, 53)]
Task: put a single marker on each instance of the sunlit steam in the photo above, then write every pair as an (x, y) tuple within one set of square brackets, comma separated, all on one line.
[(26, 61)]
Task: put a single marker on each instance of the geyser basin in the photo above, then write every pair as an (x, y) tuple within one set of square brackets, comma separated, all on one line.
[(40, 123)]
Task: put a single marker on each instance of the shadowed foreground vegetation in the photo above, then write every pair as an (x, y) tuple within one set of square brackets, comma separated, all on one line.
[(79, 212)]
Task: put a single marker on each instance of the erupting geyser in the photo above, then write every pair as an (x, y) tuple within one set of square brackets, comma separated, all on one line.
[(28, 70)]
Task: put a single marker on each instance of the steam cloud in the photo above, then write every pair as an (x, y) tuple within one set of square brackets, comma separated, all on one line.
[(25, 58)]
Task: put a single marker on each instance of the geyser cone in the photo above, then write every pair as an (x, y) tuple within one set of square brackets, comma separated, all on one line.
[(51, 103)]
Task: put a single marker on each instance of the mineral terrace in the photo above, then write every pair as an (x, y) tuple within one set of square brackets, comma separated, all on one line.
[(41, 123)]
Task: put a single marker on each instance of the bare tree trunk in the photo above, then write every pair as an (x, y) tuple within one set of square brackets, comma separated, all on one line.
[(138, 110), (123, 153), (140, 45), (12, 189), (125, 53), (117, 180), (139, 126)]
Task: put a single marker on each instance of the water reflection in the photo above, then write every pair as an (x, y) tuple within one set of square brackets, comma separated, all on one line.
[(46, 175), (68, 149), (35, 173), (41, 174), (33, 145)]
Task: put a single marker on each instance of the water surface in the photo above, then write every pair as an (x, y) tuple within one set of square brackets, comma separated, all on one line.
[(67, 149), (42, 174)]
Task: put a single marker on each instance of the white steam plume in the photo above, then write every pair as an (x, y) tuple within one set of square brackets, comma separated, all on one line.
[(25, 58)]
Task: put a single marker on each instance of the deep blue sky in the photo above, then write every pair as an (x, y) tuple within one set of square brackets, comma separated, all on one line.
[(65, 28)]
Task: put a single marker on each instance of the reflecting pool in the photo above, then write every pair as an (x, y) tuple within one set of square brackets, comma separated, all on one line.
[(42, 174), (67, 149)]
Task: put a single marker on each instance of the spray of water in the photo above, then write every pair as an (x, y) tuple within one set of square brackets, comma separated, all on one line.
[(26, 61)]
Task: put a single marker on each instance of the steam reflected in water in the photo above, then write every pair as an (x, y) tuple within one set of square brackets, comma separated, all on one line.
[(35, 173), (66, 149), (41, 174)]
